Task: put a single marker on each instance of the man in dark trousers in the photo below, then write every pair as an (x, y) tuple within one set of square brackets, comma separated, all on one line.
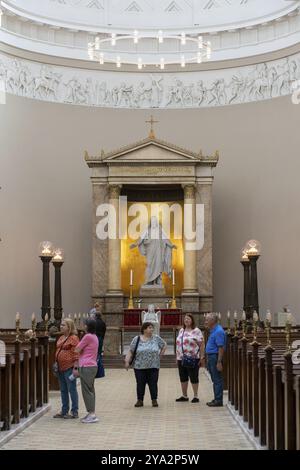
[(214, 353)]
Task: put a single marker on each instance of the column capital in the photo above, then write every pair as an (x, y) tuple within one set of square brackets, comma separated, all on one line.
[(189, 191), (114, 191)]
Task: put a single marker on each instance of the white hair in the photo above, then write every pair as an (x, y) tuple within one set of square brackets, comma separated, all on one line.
[(213, 316)]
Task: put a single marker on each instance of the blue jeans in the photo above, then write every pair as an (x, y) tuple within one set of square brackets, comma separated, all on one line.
[(216, 377), (67, 387)]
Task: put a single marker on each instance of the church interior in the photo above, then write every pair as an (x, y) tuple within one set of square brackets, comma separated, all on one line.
[(149, 173)]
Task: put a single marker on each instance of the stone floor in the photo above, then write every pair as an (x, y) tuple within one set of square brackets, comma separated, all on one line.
[(121, 426)]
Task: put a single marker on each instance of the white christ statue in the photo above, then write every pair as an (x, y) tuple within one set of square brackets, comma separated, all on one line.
[(157, 248)]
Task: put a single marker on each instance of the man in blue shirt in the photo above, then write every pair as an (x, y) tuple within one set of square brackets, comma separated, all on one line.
[(214, 351)]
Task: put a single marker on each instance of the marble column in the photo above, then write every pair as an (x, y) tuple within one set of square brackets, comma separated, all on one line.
[(204, 256), (100, 247), (190, 295), (189, 277), (114, 247)]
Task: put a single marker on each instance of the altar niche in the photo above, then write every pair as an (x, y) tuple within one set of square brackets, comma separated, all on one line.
[(153, 199), (153, 172)]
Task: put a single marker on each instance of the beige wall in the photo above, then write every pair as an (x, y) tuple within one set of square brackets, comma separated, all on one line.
[(46, 193)]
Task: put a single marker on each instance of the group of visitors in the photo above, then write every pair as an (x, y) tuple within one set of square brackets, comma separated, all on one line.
[(80, 359), (145, 352)]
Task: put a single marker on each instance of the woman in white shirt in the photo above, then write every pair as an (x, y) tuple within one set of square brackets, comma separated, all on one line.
[(189, 355)]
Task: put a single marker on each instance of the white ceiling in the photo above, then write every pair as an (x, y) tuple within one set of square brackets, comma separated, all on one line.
[(153, 14)]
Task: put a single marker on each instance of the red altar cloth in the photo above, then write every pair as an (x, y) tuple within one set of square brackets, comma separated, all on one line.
[(169, 317)]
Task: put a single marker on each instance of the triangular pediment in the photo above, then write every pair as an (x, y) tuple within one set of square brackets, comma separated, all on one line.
[(150, 150)]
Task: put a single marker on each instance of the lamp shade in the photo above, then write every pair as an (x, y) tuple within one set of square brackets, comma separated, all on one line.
[(244, 254), (46, 249), (58, 255), (253, 248)]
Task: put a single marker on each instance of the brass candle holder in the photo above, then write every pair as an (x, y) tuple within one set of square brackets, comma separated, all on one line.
[(288, 327), (228, 322), (18, 321), (46, 324), (173, 303), (235, 323), (255, 323), (33, 325), (244, 318), (268, 323), (130, 303)]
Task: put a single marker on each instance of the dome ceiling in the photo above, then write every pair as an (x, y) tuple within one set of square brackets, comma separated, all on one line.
[(207, 15)]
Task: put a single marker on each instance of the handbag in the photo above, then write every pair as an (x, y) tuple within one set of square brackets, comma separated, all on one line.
[(190, 362), (135, 350), (55, 367), (100, 371)]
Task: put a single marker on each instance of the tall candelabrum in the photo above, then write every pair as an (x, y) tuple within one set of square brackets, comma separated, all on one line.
[(58, 261), (46, 254), (245, 262), (251, 254)]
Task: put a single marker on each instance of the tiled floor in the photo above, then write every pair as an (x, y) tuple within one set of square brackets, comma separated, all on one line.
[(121, 426)]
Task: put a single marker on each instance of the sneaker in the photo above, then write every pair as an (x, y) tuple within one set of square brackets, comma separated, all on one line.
[(182, 399), (210, 403), (85, 416), (195, 400), (154, 403), (60, 415), (90, 419), (139, 404)]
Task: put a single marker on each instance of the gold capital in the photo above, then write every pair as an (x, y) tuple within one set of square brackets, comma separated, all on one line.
[(114, 191), (189, 191)]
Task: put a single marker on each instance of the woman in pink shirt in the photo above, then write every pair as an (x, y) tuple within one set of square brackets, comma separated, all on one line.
[(88, 352)]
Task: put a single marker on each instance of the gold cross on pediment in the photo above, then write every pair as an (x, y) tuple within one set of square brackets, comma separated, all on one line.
[(151, 122)]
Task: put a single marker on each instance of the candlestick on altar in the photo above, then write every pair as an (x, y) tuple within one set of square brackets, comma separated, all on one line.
[(130, 303), (173, 303)]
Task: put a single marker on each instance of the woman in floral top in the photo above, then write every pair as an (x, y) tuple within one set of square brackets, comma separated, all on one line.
[(189, 342), (146, 362)]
